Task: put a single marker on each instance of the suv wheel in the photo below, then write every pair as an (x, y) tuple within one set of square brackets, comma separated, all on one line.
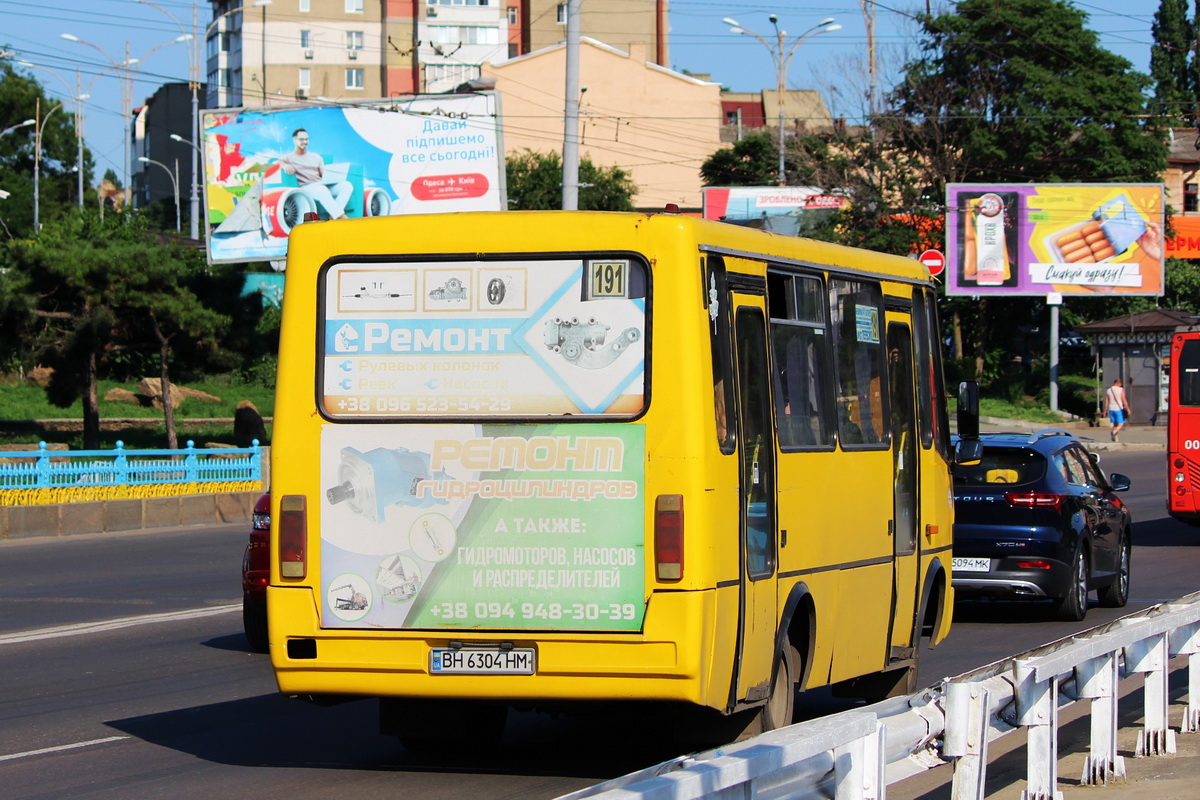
[(1073, 605), (1116, 594)]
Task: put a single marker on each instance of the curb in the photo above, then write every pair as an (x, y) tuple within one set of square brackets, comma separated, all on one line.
[(121, 516)]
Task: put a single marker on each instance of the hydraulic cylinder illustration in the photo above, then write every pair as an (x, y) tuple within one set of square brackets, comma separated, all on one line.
[(371, 482)]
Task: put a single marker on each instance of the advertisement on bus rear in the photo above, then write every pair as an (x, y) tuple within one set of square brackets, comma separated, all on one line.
[(267, 170), (1072, 239), (473, 527), (501, 338)]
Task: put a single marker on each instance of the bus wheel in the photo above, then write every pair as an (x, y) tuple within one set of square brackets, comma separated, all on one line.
[(777, 713)]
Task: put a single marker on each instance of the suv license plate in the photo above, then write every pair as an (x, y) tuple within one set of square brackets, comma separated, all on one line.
[(482, 661), (971, 564)]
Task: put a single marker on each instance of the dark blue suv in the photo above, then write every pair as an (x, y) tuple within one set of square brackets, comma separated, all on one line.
[(1036, 518)]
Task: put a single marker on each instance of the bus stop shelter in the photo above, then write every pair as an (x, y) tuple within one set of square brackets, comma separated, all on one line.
[(1136, 348)]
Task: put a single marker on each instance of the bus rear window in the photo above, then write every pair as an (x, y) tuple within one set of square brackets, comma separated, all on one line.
[(484, 338)]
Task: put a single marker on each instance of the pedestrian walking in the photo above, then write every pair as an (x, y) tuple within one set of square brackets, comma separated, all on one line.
[(1117, 406)]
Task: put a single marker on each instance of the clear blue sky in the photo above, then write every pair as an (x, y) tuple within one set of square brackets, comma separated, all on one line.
[(833, 63)]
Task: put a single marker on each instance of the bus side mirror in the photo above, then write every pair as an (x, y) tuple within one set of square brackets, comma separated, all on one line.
[(969, 449), (968, 410)]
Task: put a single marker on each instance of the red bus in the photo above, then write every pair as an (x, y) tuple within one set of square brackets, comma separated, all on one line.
[(1183, 429)]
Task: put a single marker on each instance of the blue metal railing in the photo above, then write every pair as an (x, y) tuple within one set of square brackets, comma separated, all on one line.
[(45, 469)]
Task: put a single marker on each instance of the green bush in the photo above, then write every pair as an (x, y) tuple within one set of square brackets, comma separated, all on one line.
[(1076, 395), (261, 372)]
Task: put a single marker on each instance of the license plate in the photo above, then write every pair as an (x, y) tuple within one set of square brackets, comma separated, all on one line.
[(971, 564), (482, 661)]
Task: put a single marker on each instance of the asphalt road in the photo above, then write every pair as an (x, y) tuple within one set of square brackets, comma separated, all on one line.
[(1163, 567), (176, 706)]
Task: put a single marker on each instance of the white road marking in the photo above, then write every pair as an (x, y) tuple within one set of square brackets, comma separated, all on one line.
[(114, 624), (61, 747)]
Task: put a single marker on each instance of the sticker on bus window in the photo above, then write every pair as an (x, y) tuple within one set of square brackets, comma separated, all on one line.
[(866, 324), (478, 339), (606, 279), (474, 527)]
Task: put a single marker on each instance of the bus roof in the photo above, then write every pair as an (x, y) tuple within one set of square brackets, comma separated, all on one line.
[(486, 232)]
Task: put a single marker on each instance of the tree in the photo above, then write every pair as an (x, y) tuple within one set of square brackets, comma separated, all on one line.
[(1174, 93), (535, 182), (890, 208), (752, 161), (88, 287), (1021, 91), (22, 98)]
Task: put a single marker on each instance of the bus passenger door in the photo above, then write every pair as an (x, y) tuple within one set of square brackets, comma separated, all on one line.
[(902, 392), (756, 460)]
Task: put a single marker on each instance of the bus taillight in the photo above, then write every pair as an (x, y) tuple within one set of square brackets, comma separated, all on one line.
[(293, 536), (668, 537)]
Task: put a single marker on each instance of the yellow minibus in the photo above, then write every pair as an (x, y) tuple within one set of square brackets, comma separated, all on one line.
[(545, 459)]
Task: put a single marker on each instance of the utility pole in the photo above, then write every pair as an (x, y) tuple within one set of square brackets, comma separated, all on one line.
[(570, 166)]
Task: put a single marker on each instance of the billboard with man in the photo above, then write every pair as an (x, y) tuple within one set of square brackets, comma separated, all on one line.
[(1065, 238), (266, 168)]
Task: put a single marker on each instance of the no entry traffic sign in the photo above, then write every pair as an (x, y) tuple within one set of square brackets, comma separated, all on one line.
[(934, 260)]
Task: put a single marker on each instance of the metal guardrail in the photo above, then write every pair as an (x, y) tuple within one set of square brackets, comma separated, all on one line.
[(853, 755), (48, 469)]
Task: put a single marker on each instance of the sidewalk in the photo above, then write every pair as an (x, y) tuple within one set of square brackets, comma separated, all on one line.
[(1097, 438)]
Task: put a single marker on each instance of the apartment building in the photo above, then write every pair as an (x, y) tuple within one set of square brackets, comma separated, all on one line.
[(263, 52), (268, 52), (168, 111)]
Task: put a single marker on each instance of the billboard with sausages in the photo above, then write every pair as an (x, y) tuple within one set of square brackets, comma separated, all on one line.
[(1067, 238), (268, 169)]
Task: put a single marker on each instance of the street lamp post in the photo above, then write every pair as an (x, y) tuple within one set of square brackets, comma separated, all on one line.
[(194, 222), (194, 56), (18, 126), (194, 83), (79, 97), (37, 157), (126, 72), (174, 176), (781, 53)]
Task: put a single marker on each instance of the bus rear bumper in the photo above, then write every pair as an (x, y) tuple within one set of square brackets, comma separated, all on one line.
[(311, 661)]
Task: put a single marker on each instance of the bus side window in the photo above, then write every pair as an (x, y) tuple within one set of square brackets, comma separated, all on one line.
[(716, 301), (926, 341), (802, 363), (856, 317)]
